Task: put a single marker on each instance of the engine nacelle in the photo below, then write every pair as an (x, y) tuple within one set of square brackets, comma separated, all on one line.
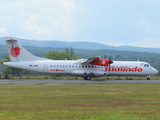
[(101, 62)]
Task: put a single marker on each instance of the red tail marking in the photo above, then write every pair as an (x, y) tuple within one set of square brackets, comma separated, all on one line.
[(15, 51)]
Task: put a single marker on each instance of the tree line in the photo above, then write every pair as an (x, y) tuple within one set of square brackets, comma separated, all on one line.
[(72, 54)]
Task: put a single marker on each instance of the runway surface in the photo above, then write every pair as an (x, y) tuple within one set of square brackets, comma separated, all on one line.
[(64, 82)]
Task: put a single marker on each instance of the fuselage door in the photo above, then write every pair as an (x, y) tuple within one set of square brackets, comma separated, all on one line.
[(45, 68)]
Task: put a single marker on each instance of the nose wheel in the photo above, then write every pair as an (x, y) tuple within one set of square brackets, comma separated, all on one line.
[(88, 77), (148, 77)]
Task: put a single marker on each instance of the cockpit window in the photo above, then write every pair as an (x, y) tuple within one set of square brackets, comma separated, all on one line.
[(146, 65)]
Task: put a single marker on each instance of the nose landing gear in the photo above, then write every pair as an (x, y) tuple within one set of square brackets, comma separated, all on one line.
[(88, 77), (148, 77)]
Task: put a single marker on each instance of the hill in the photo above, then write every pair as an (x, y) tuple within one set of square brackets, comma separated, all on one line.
[(82, 45)]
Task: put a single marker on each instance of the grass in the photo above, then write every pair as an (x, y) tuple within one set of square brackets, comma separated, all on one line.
[(77, 102), (54, 77)]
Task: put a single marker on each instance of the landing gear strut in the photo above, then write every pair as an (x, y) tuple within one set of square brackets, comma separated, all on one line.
[(148, 77)]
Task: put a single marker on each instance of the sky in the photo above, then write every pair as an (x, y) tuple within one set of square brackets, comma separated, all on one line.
[(111, 22)]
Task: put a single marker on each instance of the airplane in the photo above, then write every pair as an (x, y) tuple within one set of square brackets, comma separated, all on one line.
[(86, 68)]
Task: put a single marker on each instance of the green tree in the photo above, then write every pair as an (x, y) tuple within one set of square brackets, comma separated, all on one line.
[(72, 52), (5, 59), (67, 51), (54, 55), (8, 69)]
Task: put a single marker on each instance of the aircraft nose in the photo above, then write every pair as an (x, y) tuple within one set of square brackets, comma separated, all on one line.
[(155, 71)]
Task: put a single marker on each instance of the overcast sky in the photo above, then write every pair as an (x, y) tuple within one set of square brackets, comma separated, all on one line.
[(112, 22)]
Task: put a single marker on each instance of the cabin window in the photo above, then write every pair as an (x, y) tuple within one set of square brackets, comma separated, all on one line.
[(146, 65)]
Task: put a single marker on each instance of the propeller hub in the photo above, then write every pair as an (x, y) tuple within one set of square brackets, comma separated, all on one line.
[(110, 62)]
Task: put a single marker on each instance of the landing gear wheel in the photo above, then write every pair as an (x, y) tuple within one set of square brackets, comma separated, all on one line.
[(87, 77), (148, 77)]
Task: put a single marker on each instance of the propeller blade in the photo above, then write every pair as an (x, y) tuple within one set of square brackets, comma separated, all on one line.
[(110, 61)]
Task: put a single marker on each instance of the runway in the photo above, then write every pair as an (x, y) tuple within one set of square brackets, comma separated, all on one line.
[(70, 82)]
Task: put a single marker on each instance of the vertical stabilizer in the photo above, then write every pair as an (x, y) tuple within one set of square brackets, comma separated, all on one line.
[(17, 52)]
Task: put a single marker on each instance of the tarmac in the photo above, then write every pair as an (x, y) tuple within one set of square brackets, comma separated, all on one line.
[(71, 82)]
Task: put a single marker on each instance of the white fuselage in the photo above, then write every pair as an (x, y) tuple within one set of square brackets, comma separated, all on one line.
[(73, 67), (87, 68)]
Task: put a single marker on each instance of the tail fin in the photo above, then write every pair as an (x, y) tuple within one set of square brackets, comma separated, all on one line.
[(17, 52)]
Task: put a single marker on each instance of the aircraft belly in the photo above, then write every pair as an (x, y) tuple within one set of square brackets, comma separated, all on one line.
[(115, 73), (83, 73)]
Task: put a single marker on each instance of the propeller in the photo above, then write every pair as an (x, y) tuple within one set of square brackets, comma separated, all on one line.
[(110, 61)]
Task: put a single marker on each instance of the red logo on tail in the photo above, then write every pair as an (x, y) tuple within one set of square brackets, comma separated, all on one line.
[(15, 51)]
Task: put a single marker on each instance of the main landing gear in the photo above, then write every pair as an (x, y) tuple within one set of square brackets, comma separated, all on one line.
[(89, 76)]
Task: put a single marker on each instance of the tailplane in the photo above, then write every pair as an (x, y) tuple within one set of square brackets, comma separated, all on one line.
[(17, 52)]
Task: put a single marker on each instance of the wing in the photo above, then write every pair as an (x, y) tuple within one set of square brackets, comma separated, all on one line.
[(96, 61), (89, 60)]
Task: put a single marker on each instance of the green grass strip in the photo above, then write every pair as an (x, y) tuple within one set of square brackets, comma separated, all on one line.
[(78, 102)]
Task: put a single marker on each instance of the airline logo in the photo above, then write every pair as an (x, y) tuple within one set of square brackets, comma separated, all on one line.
[(15, 51), (124, 69)]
